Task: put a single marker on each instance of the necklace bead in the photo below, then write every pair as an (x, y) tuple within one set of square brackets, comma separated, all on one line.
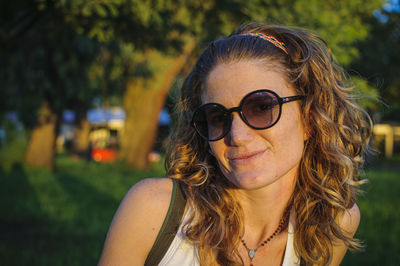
[(282, 225)]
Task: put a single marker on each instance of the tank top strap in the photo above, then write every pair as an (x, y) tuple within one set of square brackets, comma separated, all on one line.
[(169, 227)]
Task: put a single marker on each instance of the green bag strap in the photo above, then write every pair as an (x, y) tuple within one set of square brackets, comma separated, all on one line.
[(170, 226)]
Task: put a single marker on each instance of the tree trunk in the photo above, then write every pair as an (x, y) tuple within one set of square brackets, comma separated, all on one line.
[(81, 144), (42, 144), (143, 101)]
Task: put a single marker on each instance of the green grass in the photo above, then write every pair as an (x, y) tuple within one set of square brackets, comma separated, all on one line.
[(380, 216), (62, 218)]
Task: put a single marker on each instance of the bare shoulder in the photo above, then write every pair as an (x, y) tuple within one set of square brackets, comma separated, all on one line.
[(349, 223), (350, 220), (137, 222), (152, 191)]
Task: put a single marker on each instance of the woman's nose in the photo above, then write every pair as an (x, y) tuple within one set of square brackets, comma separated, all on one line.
[(240, 132)]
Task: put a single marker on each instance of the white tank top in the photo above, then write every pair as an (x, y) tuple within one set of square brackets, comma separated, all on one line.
[(182, 252)]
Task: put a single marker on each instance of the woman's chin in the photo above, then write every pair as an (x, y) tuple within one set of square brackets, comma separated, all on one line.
[(251, 180)]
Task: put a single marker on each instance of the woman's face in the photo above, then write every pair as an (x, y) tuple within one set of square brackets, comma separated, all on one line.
[(249, 158)]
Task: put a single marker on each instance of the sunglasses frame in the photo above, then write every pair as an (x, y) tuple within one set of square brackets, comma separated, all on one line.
[(238, 109)]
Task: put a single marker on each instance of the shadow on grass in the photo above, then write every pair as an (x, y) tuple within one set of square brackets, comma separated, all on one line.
[(93, 213), (51, 219), (21, 215)]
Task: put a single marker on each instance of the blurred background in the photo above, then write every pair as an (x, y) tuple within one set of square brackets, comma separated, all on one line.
[(87, 96)]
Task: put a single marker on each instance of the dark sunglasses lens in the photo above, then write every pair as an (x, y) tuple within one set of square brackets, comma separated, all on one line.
[(261, 109), (211, 121)]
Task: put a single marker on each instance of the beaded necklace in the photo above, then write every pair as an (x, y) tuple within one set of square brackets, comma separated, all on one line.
[(282, 226)]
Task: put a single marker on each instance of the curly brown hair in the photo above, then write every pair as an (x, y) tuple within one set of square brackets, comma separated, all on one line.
[(329, 172)]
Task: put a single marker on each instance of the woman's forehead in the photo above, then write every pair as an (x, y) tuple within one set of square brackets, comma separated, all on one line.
[(230, 82)]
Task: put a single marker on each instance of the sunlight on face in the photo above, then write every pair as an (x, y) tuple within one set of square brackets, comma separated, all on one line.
[(250, 158)]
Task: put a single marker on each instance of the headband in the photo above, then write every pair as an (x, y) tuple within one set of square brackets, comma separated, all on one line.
[(270, 39)]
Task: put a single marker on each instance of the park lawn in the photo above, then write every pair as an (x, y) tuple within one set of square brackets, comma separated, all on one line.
[(379, 227), (62, 218)]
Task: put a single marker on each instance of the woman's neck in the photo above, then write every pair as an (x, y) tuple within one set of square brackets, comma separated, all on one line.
[(263, 208)]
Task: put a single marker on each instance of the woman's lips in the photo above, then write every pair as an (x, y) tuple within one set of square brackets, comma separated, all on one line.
[(245, 157)]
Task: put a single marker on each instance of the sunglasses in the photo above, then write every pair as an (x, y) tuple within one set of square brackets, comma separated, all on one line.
[(260, 109)]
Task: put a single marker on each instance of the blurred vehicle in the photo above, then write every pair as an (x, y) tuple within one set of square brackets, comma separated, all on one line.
[(104, 154), (103, 144), (106, 127)]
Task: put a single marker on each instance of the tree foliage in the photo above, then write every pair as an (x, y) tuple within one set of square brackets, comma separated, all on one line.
[(380, 60), (64, 52)]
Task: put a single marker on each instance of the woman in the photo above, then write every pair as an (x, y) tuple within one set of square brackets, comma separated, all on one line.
[(266, 153)]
